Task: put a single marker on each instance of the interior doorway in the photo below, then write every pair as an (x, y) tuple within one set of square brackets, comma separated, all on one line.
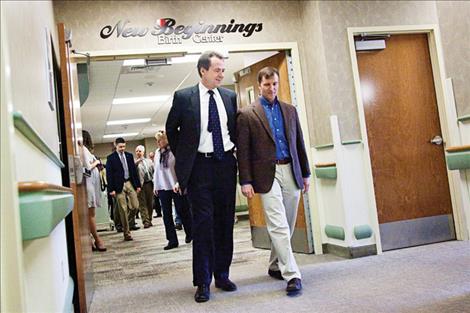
[(410, 180), (127, 88)]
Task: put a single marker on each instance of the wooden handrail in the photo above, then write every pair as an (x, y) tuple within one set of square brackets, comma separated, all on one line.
[(325, 164), (458, 148), (35, 186)]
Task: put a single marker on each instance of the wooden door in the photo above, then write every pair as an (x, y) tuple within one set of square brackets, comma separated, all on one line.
[(409, 172), (78, 238), (247, 88)]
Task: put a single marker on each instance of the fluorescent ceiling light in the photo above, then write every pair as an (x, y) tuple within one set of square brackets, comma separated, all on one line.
[(120, 135), (134, 62), (125, 122), (141, 99), (189, 58)]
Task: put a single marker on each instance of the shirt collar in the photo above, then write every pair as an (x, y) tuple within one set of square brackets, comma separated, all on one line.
[(265, 102), (203, 90)]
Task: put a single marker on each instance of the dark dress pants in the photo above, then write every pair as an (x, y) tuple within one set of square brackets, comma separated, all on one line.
[(156, 205), (181, 207), (211, 193)]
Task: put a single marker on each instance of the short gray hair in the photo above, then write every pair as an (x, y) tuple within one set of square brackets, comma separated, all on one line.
[(140, 147)]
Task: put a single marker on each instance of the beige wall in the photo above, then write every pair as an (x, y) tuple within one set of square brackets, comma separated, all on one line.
[(26, 22), (336, 17), (454, 22), (319, 28), (41, 264), (86, 18), (315, 74)]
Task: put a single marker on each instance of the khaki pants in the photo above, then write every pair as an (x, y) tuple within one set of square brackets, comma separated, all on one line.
[(145, 197), (280, 211), (124, 207)]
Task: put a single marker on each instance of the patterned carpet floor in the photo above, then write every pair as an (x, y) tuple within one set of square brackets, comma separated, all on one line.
[(139, 276)]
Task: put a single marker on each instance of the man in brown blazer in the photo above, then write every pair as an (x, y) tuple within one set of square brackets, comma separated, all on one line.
[(273, 162)]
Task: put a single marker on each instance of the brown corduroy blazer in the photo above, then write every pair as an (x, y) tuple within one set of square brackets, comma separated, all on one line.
[(256, 150)]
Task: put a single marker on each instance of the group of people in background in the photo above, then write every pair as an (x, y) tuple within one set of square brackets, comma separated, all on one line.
[(136, 186), (207, 142)]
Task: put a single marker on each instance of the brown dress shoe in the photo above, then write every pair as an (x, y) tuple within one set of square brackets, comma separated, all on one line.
[(128, 237)]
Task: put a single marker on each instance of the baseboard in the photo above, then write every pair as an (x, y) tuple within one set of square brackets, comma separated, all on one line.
[(350, 252)]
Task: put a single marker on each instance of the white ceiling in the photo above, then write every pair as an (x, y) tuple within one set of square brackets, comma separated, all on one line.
[(110, 79)]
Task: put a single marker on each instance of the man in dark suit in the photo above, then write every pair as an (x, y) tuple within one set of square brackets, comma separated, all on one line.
[(201, 132), (123, 182), (273, 162)]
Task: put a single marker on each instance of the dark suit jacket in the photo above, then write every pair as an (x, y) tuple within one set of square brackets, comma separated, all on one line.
[(256, 150), (115, 172), (183, 127)]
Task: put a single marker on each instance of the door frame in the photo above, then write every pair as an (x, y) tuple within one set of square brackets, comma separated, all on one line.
[(105, 55), (447, 118)]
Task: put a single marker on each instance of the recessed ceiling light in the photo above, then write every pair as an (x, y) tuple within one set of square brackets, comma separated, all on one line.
[(133, 121), (140, 99), (134, 62), (120, 135)]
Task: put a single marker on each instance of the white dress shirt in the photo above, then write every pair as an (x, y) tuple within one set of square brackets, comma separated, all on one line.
[(205, 139)]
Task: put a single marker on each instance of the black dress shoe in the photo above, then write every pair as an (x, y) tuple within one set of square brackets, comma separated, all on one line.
[(275, 274), (178, 226), (294, 286), (188, 239), (134, 227), (225, 284), (171, 246), (202, 293)]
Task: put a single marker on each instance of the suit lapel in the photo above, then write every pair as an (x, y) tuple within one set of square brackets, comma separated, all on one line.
[(228, 107), (286, 118), (259, 111), (196, 105)]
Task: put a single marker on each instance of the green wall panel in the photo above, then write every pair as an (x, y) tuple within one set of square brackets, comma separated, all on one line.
[(458, 160), (326, 172), (41, 212)]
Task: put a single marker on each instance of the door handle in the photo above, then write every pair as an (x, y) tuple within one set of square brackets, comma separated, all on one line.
[(437, 140)]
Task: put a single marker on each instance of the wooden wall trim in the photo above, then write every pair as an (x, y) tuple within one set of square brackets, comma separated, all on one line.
[(458, 149), (36, 186)]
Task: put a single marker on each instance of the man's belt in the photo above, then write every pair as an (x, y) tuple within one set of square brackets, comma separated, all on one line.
[(211, 154), (283, 161)]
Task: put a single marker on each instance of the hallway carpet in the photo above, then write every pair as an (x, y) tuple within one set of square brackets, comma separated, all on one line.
[(139, 276)]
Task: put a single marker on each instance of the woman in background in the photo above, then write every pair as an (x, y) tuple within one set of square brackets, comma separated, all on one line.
[(93, 188), (167, 188)]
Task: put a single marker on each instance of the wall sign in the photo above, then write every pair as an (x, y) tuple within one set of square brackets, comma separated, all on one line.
[(167, 32)]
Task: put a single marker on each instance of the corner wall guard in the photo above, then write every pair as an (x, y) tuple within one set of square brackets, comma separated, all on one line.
[(336, 232), (42, 207), (362, 231), (458, 158), (22, 125)]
